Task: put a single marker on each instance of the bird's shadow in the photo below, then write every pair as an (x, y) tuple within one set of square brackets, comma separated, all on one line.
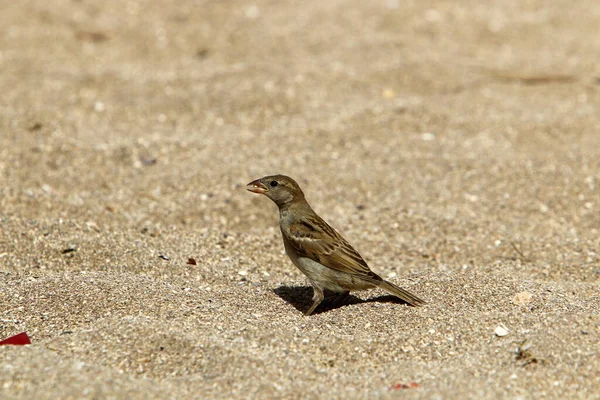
[(301, 298)]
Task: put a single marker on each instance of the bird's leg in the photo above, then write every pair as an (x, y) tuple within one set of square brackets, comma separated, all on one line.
[(318, 297)]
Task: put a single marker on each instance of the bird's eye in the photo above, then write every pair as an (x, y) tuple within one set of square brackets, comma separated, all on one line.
[(273, 183)]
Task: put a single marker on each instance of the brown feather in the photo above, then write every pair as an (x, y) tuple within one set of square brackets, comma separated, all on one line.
[(312, 237)]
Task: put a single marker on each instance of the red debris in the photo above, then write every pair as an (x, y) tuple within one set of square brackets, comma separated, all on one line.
[(411, 385), (191, 261), (17, 340)]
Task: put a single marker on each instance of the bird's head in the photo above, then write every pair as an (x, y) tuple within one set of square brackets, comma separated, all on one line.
[(282, 189)]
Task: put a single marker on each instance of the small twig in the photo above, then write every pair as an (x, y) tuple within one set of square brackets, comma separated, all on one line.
[(519, 251)]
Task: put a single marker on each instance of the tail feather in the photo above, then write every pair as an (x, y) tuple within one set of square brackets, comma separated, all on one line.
[(401, 293)]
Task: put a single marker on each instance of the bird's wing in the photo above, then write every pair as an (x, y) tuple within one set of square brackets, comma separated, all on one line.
[(312, 237)]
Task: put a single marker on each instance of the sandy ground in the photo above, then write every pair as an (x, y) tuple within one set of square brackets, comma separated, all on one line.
[(456, 144)]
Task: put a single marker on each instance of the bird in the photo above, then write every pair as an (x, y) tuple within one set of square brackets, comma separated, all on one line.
[(318, 250)]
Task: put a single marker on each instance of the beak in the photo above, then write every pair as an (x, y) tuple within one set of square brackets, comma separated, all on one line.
[(257, 187)]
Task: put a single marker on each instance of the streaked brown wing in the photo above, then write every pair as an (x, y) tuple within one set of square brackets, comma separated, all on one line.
[(314, 238)]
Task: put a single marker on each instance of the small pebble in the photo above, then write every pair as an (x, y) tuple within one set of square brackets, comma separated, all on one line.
[(522, 298), (428, 137), (388, 93)]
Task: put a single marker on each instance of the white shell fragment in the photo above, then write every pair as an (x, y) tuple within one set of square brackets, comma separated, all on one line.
[(501, 330)]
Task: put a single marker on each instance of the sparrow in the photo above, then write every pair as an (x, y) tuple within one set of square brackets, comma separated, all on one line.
[(318, 250)]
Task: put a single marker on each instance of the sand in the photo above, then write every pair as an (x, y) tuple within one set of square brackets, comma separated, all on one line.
[(454, 144)]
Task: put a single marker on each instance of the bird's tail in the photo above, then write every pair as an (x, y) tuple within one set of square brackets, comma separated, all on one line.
[(401, 293)]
